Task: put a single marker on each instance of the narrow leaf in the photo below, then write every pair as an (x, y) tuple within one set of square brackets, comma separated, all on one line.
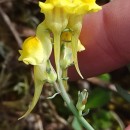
[(123, 93), (97, 98), (105, 77), (53, 96)]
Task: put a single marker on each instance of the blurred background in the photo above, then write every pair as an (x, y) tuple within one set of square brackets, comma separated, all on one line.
[(108, 93)]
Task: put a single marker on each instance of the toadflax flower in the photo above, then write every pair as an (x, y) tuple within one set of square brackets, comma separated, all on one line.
[(36, 51), (80, 8), (56, 20), (63, 23), (60, 15)]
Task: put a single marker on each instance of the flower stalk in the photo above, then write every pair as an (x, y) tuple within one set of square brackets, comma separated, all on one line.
[(72, 107)]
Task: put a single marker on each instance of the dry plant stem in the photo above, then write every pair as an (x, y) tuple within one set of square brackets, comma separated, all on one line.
[(72, 107), (58, 118), (3, 1), (117, 118), (12, 28)]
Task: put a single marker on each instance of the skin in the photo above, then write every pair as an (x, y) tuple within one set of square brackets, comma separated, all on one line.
[(128, 128), (106, 37)]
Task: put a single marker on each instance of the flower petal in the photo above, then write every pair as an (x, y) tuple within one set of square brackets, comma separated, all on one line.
[(44, 36), (32, 51), (45, 7)]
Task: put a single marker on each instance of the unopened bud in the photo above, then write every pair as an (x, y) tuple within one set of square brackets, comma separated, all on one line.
[(82, 99)]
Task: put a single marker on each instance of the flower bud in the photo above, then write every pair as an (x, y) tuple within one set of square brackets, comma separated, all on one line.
[(82, 99)]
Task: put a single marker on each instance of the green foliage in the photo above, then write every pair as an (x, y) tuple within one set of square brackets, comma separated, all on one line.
[(98, 98), (106, 120), (105, 77), (102, 120), (123, 93)]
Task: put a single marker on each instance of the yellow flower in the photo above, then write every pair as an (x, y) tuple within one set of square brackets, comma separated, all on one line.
[(76, 12), (59, 16), (92, 6), (36, 51), (56, 20), (62, 14), (32, 51), (55, 16)]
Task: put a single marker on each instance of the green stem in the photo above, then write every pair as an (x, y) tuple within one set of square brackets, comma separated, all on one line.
[(72, 107), (64, 75)]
